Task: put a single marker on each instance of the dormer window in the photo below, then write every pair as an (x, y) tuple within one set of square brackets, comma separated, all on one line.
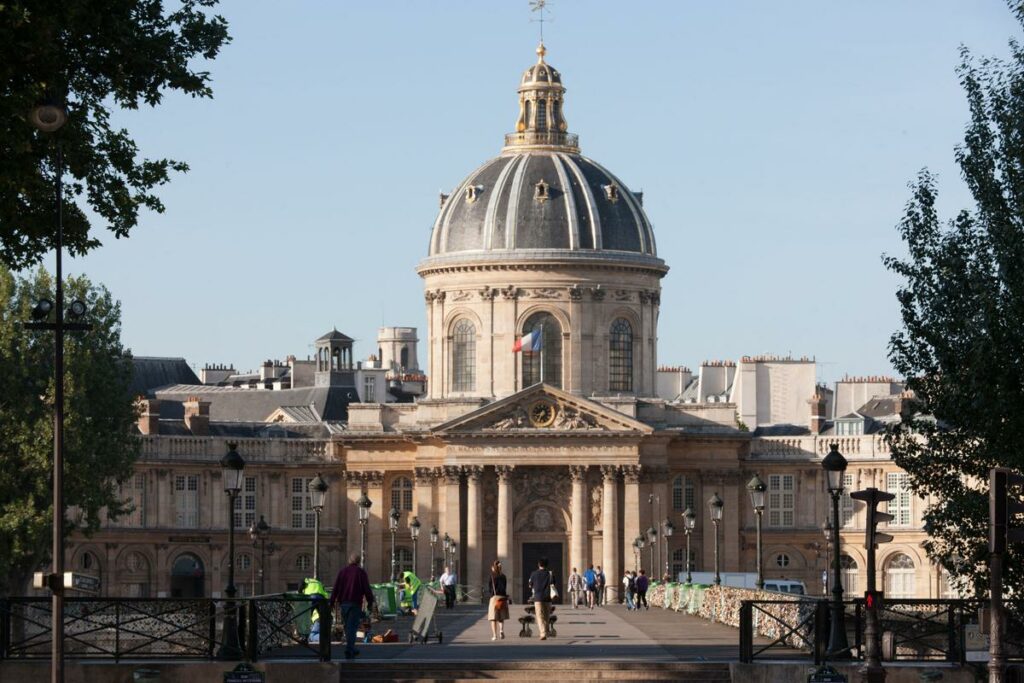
[(472, 192), (611, 193), (541, 192)]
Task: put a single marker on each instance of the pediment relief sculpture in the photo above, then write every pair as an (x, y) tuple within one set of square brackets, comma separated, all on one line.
[(545, 414)]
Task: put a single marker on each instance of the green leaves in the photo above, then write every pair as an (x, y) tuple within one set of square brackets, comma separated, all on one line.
[(92, 56), (962, 342), (99, 444)]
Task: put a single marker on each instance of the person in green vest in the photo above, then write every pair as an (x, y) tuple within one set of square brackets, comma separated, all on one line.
[(409, 593), (315, 589)]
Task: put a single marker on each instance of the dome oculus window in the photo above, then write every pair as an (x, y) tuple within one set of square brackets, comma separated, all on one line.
[(541, 191), (611, 193), (472, 192)]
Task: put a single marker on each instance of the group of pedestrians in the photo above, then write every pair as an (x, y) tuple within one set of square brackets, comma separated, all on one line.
[(634, 587), (587, 589)]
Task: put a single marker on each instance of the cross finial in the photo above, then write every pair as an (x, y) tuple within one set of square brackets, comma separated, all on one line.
[(539, 6)]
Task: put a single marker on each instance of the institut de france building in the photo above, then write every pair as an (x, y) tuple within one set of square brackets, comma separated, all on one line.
[(570, 452)]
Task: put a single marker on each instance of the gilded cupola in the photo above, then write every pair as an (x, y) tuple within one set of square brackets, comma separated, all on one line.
[(541, 121)]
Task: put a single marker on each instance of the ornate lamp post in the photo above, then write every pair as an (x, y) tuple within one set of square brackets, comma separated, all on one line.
[(414, 531), (260, 533), (455, 559), (364, 503), (653, 499), (318, 496), (652, 538), (636, 555), (715, 506), (639, 545), (826, 530), (834, 465), (757, 488), (232, 471), (433, 541), (689, 524), (393, 517), (667, 529)]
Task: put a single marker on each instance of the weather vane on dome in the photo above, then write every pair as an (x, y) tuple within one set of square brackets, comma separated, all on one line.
[(539, 6)]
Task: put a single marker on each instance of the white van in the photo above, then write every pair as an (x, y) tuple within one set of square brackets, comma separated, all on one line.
[(785, 586)]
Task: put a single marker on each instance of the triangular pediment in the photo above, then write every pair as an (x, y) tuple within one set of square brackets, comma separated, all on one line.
[(543, 408)]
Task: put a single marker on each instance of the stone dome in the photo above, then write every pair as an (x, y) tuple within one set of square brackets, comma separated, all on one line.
[(541, 198)]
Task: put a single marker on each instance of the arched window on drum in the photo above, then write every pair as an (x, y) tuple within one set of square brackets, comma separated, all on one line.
[(550, 354), (463, 356), (620, 356)]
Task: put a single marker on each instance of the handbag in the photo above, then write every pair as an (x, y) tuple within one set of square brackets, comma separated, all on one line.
[(554, 590)]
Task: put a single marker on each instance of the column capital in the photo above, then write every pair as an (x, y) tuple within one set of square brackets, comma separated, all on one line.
[(373, 479), (631, 473), (473, 473), (353, 480), (425, 475), (451, 473), (578, 473), (504, 472), (610, 472)]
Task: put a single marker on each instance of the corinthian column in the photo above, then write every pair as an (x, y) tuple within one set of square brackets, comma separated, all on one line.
[(610, 532), (578, 511), (474, 532), (505, 526)]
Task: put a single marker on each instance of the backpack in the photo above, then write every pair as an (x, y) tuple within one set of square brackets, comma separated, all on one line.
[(631, 586)]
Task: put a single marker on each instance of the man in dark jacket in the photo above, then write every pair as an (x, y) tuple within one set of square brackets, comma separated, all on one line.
[(351, 587), (642, 584), (540, 587)]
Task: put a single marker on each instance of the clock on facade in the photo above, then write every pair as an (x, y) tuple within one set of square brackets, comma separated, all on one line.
[(542, 414)]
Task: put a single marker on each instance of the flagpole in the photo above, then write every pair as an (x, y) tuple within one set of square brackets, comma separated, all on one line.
[(542, 354)]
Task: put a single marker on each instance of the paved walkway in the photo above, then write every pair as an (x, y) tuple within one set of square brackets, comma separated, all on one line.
[(603, 634)]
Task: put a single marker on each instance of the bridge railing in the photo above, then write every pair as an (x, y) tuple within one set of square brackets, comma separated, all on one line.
[(164, 628)]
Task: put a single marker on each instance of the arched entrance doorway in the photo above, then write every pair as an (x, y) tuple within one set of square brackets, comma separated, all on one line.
[(187, 577)]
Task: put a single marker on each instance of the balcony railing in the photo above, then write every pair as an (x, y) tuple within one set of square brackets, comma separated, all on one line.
[(254, 450), (551, 137)]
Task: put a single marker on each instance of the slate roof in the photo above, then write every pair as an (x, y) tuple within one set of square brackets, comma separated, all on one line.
[(152, 372), (334, 335), (259, 430), (230, 404), (782, 430)]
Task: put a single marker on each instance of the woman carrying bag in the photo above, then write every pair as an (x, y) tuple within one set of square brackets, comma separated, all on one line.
[(497, 608)]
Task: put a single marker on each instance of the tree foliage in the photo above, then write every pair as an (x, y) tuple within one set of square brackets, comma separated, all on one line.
[(99, 447), (94, 55), (962, 342)]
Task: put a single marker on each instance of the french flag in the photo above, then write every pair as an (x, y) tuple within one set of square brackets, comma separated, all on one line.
[(528, 342)]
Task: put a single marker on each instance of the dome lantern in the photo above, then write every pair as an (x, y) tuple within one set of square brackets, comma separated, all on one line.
[(541, 123)]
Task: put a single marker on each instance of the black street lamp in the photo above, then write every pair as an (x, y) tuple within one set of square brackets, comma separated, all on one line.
[(652, 538), (637, 544), (414, 532), (49, 118), (447, 546), (317, 496), (232, 471), (667, 529), (434, 535), (834, 465), (259, 533), (653, 499), (689, 524), (364, 503), (757, 488), (393, 517), (715, 506)]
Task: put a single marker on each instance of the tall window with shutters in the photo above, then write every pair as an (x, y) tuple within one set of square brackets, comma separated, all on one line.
[(781, 500), (186, 501), (303, 516), (133, 492), (245, 504), (898, 483), (846, 503)]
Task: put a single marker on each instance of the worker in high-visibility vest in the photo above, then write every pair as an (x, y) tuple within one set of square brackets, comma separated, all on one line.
[(409, 593), (315, 589)]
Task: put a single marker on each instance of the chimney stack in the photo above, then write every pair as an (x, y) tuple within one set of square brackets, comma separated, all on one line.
[(197, 416), (817, 403), (149, 415)]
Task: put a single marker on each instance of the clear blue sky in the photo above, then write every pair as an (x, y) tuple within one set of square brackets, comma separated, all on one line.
[(773, 142)]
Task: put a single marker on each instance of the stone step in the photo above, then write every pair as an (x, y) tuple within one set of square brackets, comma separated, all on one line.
[(548, 671)]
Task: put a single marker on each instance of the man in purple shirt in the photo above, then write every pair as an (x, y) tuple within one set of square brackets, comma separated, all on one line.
[(350, 589)]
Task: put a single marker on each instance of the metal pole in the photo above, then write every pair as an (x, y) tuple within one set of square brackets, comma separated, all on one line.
[(263, 564), (718, 574), (316, 546), (432, 562), (394, 566), (996, 654), (57, 606), (415, 543), (838, 647), (362, 543), (230, 648), (689, 577), (760, 568), (653, 566), (873, 671)]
